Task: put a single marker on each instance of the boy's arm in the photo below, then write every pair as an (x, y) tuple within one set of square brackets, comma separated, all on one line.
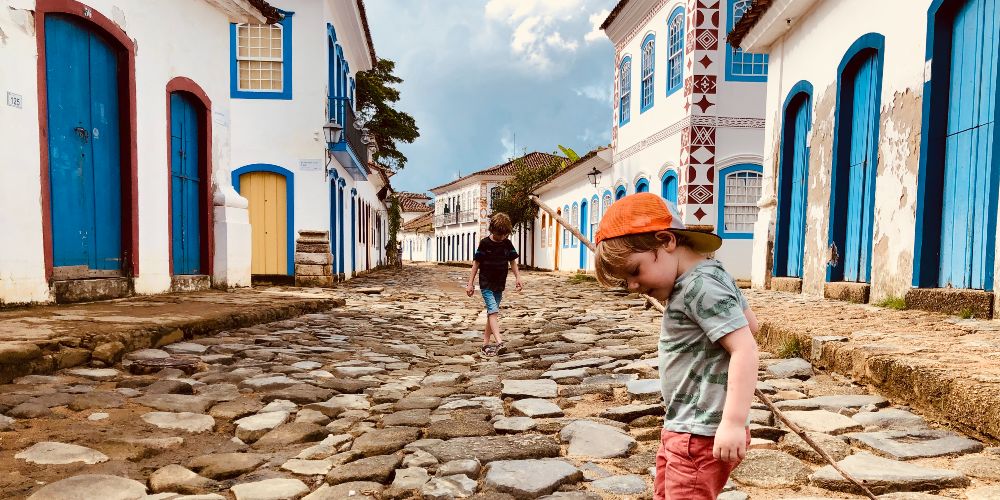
[(517, 275), (751, 320), (470, 288), (730, 438)]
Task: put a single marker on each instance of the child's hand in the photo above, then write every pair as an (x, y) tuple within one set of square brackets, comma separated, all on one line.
[(518, 285), (469, 290), (730, 443)]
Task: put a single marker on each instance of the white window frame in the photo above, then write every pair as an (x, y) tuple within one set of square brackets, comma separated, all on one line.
[(240, 59)]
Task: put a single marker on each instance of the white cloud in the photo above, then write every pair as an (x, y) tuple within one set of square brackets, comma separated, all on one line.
[(555, 40), (537, 24), (507, 140), (596, 92), (515, 10), (595, 22)]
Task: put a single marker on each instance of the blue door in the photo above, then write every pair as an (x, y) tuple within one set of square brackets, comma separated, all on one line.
[(584, 222), (791, 227), (81, 72), (968, 219), (669, 189), (863, 103), (333, 222), (185, 185)]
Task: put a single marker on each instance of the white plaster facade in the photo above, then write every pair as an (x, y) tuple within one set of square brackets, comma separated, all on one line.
[(807, 41), (287, 132), (708, 127), (161, 55)]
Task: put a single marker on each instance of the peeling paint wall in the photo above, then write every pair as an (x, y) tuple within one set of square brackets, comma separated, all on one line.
[(812, 50)]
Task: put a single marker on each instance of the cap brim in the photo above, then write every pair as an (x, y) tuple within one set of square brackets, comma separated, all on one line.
[(701, 241)]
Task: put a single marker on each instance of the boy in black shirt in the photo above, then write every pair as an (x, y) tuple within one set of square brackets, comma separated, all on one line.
[(492, 257)]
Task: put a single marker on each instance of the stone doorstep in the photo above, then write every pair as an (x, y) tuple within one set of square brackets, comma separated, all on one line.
[(45, 356), (790, 285), (848, 291), (313, 270), (89, 290), (966, 404), (190, 282), (978, 303)]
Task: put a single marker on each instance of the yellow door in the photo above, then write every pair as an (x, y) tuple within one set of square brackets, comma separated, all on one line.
[(268, 221)]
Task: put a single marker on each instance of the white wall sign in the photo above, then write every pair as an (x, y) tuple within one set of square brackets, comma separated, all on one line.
[(310, 165), (14, 100)]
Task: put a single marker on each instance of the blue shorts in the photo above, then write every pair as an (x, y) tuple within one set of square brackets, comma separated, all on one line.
[(492, 299)]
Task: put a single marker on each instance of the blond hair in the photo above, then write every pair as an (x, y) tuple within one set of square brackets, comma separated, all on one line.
[(613, 253), (500, 224)]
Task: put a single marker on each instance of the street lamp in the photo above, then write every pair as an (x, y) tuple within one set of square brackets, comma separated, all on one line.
[(332, 131), (594, 176)]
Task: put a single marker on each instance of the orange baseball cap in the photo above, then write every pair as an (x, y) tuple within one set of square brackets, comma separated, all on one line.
[(646, 213)]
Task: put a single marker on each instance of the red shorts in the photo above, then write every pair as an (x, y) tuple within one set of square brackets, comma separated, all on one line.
[(686, 469)]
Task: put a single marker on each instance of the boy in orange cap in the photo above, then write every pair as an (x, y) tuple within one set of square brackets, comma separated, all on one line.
[(707, 353)]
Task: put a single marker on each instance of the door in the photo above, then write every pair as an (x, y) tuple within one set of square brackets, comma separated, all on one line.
[(266, 194), (968, 219), (185, 185), (863, 102), (583, 229), (81, 72), (792, 197)]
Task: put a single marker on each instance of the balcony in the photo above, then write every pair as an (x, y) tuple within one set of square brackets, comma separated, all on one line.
[(450, 218), (351, 152)]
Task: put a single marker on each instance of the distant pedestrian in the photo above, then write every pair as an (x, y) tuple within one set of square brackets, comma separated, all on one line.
[(493, 256), (707, 353)]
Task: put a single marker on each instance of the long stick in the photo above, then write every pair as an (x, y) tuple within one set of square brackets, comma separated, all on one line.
[(760, 395)]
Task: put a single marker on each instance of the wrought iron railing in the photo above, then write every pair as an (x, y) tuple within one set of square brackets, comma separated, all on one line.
[(342, 112), (450, 218)]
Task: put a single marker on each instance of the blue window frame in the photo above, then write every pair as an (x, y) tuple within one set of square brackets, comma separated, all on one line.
[(642, 186), (625, 83), (250, 67), (619, 193), (648, 58), (668, 186), (675, 50), (743, 66), (566, 237), (739, 190)]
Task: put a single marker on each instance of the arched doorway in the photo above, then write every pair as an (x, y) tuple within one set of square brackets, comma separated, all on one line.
[(269, 190), (190, 130), (790, 229)]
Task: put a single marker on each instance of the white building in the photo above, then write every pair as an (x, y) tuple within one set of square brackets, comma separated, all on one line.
[(572, 195), (116, 159), (462, 209), (417, 231), (880, 172), (688, 119), (287, 81)]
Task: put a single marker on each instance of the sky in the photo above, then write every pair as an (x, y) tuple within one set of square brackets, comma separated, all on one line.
[(485, 79)]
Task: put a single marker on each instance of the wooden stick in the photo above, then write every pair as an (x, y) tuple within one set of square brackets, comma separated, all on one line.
[(760, 395)]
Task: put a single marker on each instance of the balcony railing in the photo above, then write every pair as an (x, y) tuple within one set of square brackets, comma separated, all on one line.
[(351, 152), (450, 218)]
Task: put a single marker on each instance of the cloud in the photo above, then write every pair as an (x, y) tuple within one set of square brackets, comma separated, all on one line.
[(596, 19), (596, 91), (538, 26), (515, 10), (507, 139)]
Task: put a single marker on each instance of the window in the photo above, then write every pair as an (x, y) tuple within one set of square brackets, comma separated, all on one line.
[(545, 228), (495, 194), (648, 51), (606, 202), (261, 65), (575, 222), (595, 216), (552, 232), (741, 185), (740, 65), (668, 189), (675, 50), (565, 243), (642, 186), (625, 80), (619, 193)]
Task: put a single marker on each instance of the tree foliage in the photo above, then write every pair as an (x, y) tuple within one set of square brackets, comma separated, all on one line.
[(512, 196), (388, 126)]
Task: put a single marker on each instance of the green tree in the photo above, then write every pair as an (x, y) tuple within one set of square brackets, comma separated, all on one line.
[(512, 197), (388, 126), (394, 214)]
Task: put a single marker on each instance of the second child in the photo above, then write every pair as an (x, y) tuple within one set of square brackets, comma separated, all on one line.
[(493, 256)]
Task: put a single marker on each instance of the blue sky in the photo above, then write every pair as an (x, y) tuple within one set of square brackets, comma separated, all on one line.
[(487, 78)]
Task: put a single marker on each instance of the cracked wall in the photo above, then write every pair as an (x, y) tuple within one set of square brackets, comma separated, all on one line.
[(818, 197)]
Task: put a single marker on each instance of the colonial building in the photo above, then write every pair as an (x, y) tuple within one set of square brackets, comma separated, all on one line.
[(462, 209), (880, 176), (574, 195), (417, 230), (688, 118), (115, 174), (287, 80)]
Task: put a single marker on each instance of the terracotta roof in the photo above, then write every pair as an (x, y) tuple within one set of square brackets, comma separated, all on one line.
[(424, 223), (269, 11), (368, 31), (569, 167), (532, 160), (413, 202), (747, 22), (614, 13)]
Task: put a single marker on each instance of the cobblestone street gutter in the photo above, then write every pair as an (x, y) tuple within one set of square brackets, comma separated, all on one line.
[(42, 339), (944, 366)]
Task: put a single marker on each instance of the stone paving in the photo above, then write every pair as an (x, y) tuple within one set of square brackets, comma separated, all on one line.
[(388, 397)]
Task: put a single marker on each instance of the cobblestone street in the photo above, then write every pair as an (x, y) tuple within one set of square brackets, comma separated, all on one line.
[(388, 397)]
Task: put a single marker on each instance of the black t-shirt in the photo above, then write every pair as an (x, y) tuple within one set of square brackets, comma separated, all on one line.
[(493, 258)]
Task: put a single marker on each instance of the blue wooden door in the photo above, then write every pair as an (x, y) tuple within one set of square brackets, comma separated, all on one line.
[(81, 71), (333, 223), (968, 220), (799, 172), (863, 103), (185, 185), (584, 221), (669, 190)]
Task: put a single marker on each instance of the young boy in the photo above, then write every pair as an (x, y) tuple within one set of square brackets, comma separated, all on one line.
[(707, 352), (491, 258)]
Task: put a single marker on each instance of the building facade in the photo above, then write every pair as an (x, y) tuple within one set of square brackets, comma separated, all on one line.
[(115, 166), (688, 117), (417, 231), (287, 80), (880, 176), (462, 209)]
